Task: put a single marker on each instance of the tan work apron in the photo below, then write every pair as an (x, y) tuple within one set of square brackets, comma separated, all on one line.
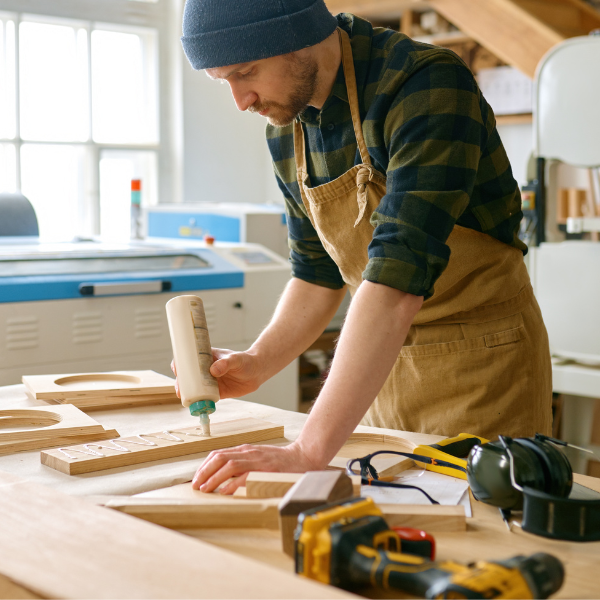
[(476, 358)]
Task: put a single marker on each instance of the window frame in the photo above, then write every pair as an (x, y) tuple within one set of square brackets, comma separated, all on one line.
[(159, 15)]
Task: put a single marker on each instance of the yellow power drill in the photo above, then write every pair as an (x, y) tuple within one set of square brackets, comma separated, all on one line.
[(349, 545)]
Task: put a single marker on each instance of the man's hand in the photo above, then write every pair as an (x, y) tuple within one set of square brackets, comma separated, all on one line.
[(238, 373), (221, 465)]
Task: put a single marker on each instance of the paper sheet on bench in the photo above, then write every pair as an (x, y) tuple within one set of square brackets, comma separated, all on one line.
[(446, 490)]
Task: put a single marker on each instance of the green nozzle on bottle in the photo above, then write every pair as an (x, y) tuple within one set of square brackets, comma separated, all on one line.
[(202, 407)]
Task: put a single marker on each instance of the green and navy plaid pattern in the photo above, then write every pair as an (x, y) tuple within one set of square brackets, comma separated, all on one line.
[(434, 136)]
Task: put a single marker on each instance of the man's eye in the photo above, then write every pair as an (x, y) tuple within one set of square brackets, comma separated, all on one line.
[(247, 73)]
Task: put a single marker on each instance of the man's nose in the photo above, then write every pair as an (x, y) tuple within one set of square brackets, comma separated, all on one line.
[(242, 96)]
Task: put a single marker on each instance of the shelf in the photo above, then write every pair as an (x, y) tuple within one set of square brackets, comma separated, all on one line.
[(514, 119)]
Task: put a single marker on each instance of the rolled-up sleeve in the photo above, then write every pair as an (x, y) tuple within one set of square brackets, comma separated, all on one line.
[(434, 133)]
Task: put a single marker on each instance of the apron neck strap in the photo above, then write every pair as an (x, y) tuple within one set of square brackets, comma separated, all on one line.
[(350, 77), (351, 88)]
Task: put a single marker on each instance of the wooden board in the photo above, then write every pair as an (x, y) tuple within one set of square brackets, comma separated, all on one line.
[(67, 440), (81, 386), (215, 512), (60, 546), (44, 422), (78, 460), (361, 444), (275, 485), (112, 402), (431, 518)]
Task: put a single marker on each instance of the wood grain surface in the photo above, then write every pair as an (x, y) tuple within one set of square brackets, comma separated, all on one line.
[(223, 435), (58, 546)]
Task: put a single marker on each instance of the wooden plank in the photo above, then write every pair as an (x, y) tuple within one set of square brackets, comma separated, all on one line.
[(214, 513), (78, 460), (520, 119), (276, 485), (375, 9), (431, 518), (60, 546), (313, 489), (67, 440), (509, 31), (9, 589), (44, 422), (74, 386), (112, 402)]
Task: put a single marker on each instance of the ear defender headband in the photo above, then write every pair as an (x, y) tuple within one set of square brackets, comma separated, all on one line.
[(533, 475)]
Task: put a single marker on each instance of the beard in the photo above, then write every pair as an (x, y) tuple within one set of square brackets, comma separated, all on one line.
[(303, 81)]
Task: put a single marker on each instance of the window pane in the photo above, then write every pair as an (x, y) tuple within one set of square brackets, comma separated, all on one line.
[(7, 79), (51, 177), (8, 168), (53, 82), (117, 169), (124, 90)]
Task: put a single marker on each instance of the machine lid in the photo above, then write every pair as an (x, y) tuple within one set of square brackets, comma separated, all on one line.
[(61, 265)]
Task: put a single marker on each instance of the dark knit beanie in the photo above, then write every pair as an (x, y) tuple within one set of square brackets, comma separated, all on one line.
[(218, 33)]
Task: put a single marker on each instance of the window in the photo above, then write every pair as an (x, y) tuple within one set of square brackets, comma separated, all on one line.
[(80, 107)]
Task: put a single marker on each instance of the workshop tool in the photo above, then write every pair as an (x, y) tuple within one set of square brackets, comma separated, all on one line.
[(192, 350), (454, 450), (350, 545), (533, 475), (314, 488)]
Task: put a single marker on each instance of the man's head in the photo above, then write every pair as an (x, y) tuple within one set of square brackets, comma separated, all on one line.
[(264, 50)]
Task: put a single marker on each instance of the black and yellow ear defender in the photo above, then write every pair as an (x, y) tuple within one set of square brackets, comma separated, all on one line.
[(533, 475), (536, 463)]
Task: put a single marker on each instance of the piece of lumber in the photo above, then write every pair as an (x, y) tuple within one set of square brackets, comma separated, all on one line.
[(112, 402), (42, 422), (60, 546), (312, 489), (74, 460), (276, 485), (80, 386), (218, 512), (67, 440), (431, 518)]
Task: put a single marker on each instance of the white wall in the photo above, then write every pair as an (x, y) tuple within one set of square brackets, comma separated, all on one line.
[(518, 142), (225, 154)]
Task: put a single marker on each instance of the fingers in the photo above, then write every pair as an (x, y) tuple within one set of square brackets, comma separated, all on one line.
[(226, 364), (234, 484)]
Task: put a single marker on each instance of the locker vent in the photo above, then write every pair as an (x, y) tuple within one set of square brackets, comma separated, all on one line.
[(149, 322), (210, 310), (87, 328), (22, 333)]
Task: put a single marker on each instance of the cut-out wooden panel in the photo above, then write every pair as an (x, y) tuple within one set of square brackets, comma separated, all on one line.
[(146, 447), (85, 386), (361, 444), (67, 440), (260, 484), (43, 422)]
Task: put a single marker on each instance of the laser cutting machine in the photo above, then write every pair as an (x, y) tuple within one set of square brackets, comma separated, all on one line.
[(97, 306)]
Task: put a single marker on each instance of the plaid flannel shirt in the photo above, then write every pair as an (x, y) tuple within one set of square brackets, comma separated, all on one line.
[(431, 132)]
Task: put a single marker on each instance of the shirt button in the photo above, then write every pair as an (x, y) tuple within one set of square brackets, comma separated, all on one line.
[(331, 126)]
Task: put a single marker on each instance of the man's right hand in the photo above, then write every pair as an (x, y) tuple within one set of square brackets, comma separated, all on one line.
[(237, 373)]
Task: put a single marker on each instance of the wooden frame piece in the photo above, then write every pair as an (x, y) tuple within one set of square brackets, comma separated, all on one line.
[(75, 387), (435, 518), (260, 484), (74, 460), (45, 422)]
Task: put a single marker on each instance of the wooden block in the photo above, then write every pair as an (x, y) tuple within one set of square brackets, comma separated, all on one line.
[(431, 518), (67, 440), (74, 460), (312, 489), (79, 386), (276, 485), (218, 512), (113, 402), (61, 546), (43, 422)]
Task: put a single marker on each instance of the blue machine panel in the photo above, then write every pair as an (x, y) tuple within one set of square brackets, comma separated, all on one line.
[(218, 274), (193, 226)]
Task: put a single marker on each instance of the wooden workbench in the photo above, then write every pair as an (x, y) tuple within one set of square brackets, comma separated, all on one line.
[(486, 537)]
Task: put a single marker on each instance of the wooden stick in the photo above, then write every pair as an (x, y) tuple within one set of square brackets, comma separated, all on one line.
[(79, 459)]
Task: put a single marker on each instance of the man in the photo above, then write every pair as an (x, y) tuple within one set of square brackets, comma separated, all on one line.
[(396, 185)]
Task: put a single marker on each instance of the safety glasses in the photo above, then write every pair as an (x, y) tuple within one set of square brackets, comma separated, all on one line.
[(370, 476)]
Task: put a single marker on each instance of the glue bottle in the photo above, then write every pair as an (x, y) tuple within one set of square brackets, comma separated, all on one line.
[(198, 389)]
